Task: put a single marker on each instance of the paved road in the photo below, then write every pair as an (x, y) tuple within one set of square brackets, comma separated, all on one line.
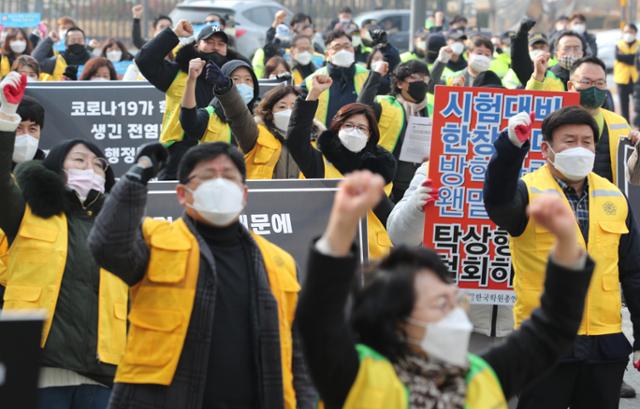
[(632, 376)]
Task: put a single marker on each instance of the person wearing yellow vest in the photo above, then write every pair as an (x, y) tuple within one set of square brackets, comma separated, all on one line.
[(170, 77), (588, 77), (48, 208), (411, 95), (301, 58), (215, 123), (211, 321), (347, 77), (75, 54), (590, 376), (351, 143), (15, 45), (625, 71), (409, 323), (27, 65)]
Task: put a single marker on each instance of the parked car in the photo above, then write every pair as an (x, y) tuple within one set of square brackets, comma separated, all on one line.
[(252, 18), (394, 22)]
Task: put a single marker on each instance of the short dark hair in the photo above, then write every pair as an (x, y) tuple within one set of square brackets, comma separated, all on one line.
[(571, 115), (222, 20), (159, 18), (300, 17), (388, 298), (31, 110), (334, 35), (355, 108), (406, 69), (264, 110), (481, 41), (578, 16), (299, 37), (632, 26), (209, 151), (345, 9), (459, 19), (71, 30), (569, 33), (273, 63), (588, 60)]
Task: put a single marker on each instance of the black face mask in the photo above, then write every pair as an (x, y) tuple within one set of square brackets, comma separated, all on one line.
[(76, 49), (220, 60), (417, 90)]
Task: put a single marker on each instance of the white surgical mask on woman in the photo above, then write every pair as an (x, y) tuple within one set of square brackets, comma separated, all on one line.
[(18, 46), (82, 181), (447, 339), (353, 139), (574, 163), (281, 119), (24, 148), (114, 56), (219, 201)]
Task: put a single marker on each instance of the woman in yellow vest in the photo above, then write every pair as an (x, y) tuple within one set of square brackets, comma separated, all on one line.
[(16, 44), (405, 345), (625, 71), (212, 304), (350, 144), (47, 213), (27, 65)]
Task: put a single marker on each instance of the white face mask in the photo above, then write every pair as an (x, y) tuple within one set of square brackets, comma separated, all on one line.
[(219, 201), (281, 119), (114, 56), (18, 46), (375, 66), (533, 54), (479, 63), (304, 57), (574, 163), (628, 38), (25, 148), (62, 34), (579, 28), (82, 181), (457, 48), (353, 139), (343, 58), (447, 339), (356, 41)]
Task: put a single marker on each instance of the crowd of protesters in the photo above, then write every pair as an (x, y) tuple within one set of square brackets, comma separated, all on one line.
[(200, 312)]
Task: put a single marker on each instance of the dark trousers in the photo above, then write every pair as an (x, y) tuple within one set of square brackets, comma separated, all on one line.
[(625, 91), (578, 385), (74, 397)]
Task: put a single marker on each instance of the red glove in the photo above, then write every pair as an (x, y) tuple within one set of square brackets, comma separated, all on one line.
[(12, 86), (519, 128)]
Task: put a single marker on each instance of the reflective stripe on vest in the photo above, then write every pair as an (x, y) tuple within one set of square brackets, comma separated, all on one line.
[(618, 128), (359, 79), (217, 131), (530, 251), (378, 386), (162, 303), (36, 264)]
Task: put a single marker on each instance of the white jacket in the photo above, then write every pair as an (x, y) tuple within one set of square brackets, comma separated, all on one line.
[(405, 225)]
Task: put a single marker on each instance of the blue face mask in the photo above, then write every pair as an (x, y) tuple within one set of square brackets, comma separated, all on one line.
[(246, 92)]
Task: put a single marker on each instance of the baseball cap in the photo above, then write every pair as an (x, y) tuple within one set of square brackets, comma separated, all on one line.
[(537, 38), (211, 30)]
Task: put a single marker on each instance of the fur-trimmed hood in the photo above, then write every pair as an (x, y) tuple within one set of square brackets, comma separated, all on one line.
[(373, 157)]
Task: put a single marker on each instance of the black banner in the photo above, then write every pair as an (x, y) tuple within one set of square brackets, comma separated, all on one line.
[(289, 213), (117, 116), (625, 149)]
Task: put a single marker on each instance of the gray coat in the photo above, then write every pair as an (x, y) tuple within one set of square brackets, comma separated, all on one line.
[(116, 242)]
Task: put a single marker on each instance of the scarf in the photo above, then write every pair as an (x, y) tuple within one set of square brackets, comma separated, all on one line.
[(412, 108), (432, 384)]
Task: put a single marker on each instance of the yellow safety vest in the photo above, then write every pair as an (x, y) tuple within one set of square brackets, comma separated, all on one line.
[(162, 303), (5, 67), (392, 120), (262, 159), (217, 131), (4, 258), (530, 251), (36, 264), (297, 78), (171, 128), (378, 386), (58, 70), (359, 79), (379, 242), (625, 73), (618, 128)]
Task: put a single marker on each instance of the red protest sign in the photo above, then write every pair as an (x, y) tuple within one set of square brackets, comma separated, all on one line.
[(466, 122)]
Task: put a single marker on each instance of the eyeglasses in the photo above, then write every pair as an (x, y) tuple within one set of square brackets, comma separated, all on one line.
[(340, 47), (443, 304), (589, 83), (349, 126), (81, 161)]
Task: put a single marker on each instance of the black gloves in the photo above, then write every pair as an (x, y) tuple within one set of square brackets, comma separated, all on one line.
[(151, 159), (526, 24), (214, 76)]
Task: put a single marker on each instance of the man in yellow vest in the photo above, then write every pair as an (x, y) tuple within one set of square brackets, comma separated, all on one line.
[(589, 78), (211, 320), (625, 72), (591, 375), (348, 77)]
